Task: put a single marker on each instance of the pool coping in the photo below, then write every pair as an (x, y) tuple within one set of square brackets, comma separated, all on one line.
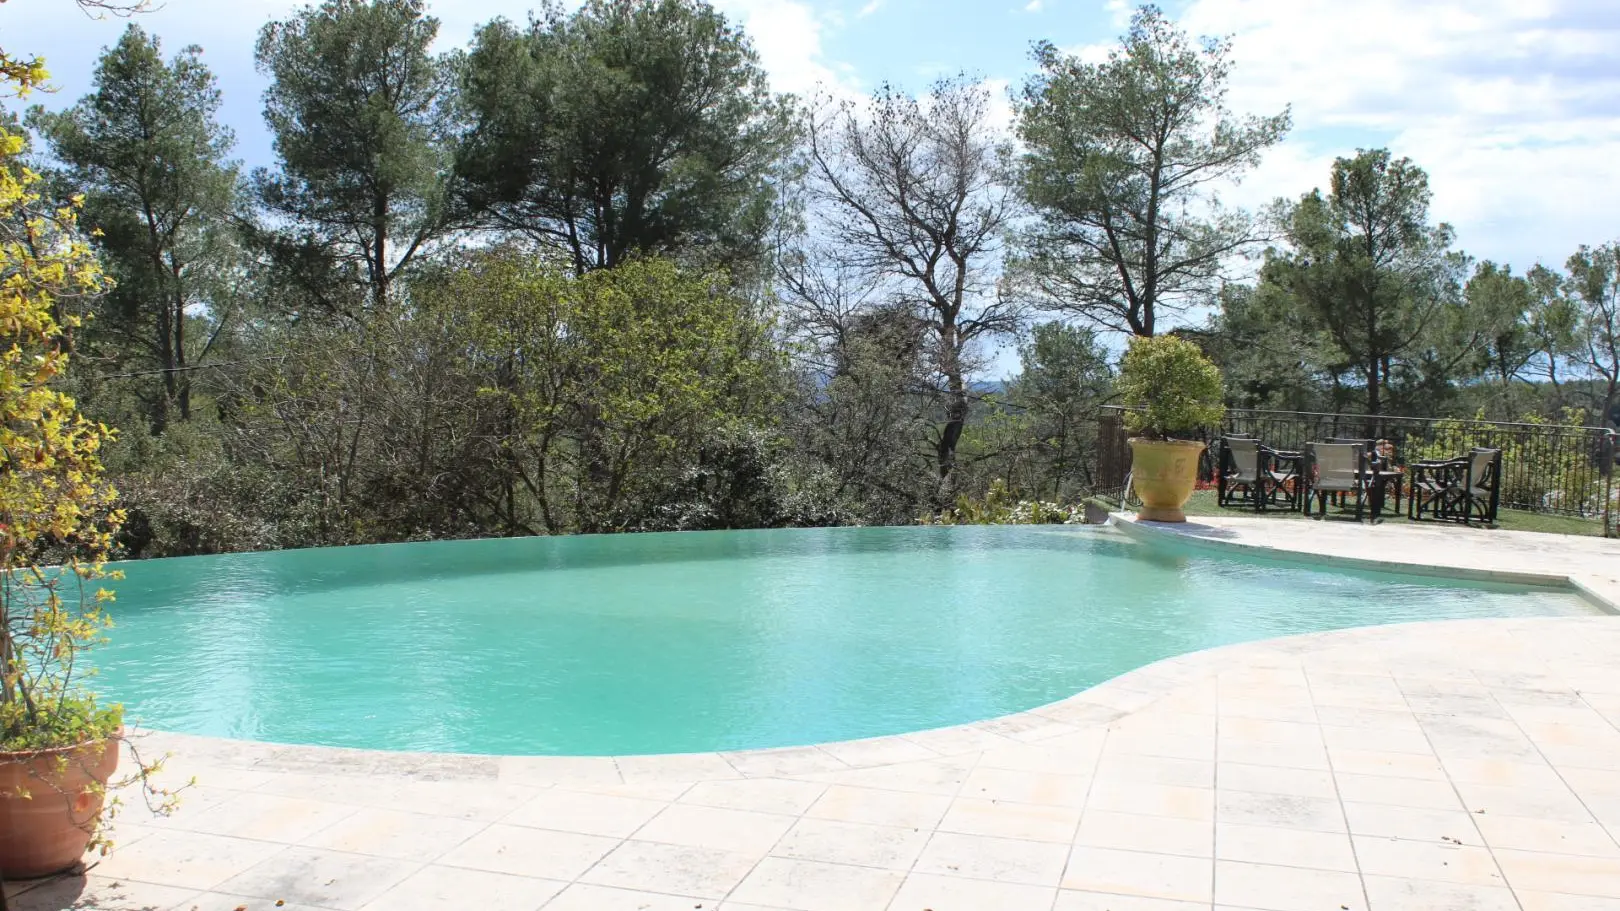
[(1192, 533), (1101, 704)]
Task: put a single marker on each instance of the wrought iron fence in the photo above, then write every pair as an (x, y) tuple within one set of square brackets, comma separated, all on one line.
[(1548, 468)]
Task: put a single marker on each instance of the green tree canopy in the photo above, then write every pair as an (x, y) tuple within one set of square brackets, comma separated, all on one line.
[(1367, 269), (1594, 289), (146, 149), (628, 126), (359, 112), (1121, 165)]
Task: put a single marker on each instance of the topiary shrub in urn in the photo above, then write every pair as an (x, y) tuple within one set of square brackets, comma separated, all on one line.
[(58, 746), (1168, 387)]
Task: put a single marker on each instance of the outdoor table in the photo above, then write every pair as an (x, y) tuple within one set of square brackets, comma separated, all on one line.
[(1380, 480)]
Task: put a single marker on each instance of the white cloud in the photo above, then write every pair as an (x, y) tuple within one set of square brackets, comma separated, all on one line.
[(1033, 6), (1512, 106), (871, 7), (787, 34)]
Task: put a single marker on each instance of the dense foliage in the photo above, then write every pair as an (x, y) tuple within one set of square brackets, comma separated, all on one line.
[(589, 273), (55, 504), (1170, 387)]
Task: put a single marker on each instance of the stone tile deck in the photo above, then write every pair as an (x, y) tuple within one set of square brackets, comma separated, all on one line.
[(1454, 765)]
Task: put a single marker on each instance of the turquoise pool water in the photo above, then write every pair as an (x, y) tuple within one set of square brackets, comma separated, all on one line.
[(701, 641)]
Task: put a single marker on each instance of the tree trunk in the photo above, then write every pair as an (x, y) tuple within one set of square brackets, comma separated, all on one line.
[(379, 251), (956, 413)]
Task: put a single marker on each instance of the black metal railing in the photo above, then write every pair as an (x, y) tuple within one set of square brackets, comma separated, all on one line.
[(1549, 468)]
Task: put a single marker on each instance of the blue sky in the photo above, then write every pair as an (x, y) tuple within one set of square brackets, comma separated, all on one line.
[(1513, 106)]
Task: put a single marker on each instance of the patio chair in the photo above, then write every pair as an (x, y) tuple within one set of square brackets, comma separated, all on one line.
[(1335, 468), (1262, 473), (1463, 489)]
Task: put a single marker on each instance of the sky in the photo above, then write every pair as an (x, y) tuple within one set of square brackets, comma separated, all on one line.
[(1512, 106)]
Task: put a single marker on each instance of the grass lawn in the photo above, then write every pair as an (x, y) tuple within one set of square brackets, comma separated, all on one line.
[(1203, 504)]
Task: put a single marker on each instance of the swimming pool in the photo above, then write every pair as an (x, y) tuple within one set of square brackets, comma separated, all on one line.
[(702, 641)]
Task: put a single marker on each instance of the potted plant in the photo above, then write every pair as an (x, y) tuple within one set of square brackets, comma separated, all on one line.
[(58, 745), (1168, 387)]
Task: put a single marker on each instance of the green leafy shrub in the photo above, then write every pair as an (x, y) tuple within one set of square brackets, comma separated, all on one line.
[(1000, 507), (1169, 386)]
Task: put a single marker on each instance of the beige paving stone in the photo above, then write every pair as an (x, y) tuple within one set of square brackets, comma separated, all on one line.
[(1004, 819), (1184, 773), (1376, 762), (186, 859), (213, 901), (1497, 800), (585, 897), (1071, 754), (1412, 823), (480, 800), (1558, 901), (1401, 792), (327, 879), (878, 751), (682, 767), (1552, 836), (1581, 756), (1342, 716), (1269, 888), (1589, 784), (1136, 873), (550, 770), (1154, 800), (654, 790), (743, 831), (1536, 775), (805, 885), (435, 888), (1259, 779), (1439, 861), (585, 813), (1291, 733), (1135, 832), (1285, 847), (763, 795), (1376, 739), (672, 869), (389, 833), (943, 776), (1388, 700), (1071, 900), (524, 851), (263, 817), (927, 892), (1279, 810), (1164, 740), (880, 808), (1004, 860), (1257, 706), (829, 841), (1047, 788), (956, 741), (100, 893), (1530, 713), (1276, 755), (1385, 893), (783, 762), (1561, 873)]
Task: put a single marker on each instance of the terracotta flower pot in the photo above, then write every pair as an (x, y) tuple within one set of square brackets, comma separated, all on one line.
[(1163, 474), (47, 832)]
